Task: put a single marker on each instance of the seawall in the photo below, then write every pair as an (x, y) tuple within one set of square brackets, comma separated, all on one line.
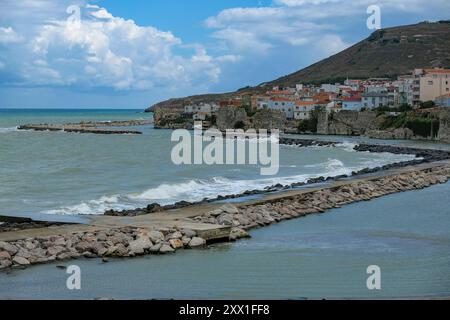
[(193, 226)]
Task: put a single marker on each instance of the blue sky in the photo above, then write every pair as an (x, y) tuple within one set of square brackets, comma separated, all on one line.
[(131, 54)]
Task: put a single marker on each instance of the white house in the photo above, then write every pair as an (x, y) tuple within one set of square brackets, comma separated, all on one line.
[(374, 99), (207, 108), (405, 86), (284, 104), (326, 87), (262, 102), (302, 110), (352, 103)]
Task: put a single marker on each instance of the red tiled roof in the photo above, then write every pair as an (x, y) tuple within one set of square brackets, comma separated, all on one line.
[(280, 99), (353, 98), (436, 70), (305, 103), (282, 92)]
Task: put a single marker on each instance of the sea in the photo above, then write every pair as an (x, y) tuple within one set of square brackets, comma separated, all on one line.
[(59, 174)]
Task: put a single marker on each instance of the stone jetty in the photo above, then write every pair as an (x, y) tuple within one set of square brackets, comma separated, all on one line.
[(88, 127), (269, 211), (115, 237), (165, 229)]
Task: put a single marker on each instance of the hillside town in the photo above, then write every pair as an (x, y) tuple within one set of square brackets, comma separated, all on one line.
[(423, 87)]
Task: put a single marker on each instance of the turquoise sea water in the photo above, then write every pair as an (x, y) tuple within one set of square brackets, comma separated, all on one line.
[(320, 256), (69, 173)]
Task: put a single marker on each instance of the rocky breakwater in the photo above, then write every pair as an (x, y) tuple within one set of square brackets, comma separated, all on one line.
[(427, 155), (318, 201), (74, 128), (306, 142), (422, 155), (122, 242), (130, 241)]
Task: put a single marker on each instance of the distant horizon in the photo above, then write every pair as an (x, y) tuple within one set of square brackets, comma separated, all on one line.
[(73, 108)]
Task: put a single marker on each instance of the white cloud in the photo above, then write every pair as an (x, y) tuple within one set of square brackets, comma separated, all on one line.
[(302, 24), (8, 36), (253, 31), (102, 50), (41, 47)]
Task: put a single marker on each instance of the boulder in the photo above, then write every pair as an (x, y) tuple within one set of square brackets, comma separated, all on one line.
[(165, 248), (155, 248), (4, 255), (185, 240), (119, 237), (140, 245), (12, 249), (101, 236), (83, 246), (197, 242), (229, 208), (21, 261), (225, 219), (215, 213), (237, 233), (176, 243), (118, 250), (23, 253), (56, 250), (5, 263), (176, 235), (156, 236), (188, 233)]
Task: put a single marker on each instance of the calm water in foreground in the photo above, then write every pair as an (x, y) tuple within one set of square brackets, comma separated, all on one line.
[(326, 255)]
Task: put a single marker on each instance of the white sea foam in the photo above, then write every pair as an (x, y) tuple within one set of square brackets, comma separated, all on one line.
[(347, 146), (197, 189), (8, 130)]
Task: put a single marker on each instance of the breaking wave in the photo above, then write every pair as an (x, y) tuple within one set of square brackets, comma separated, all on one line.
[(7, 130), (198, 189)]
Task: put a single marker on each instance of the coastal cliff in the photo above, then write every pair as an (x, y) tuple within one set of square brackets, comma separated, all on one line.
[(444, 126), (423, 125), (350, 123)]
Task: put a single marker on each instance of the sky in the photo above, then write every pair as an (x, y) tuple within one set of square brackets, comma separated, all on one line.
[(134, 53)]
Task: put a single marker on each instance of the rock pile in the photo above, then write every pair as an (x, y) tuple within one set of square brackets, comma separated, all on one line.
[(317, 201), (129, 242), (123, 242)]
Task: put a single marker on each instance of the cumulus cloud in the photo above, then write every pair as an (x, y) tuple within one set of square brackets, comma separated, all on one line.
[(41, 44), (92, 48), (263, 30), (300, 24), (8, 36)]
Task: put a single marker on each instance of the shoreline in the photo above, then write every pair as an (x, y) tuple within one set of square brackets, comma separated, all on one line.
[(423, 155), (166, 232)]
